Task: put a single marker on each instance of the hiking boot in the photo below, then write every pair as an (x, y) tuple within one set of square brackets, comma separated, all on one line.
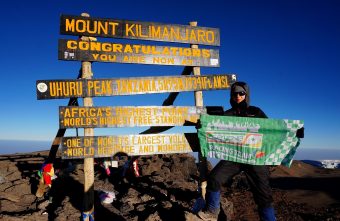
[(267, 214), (208, 215)]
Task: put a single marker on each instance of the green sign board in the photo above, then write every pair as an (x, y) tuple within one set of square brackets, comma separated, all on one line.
[(255, 141)]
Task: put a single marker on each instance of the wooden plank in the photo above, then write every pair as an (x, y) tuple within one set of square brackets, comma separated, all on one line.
[(131, 145), (113, 28), (78, 50), (55, 89), (128, 116)]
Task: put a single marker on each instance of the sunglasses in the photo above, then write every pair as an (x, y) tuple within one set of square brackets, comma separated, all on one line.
[(242, 93)]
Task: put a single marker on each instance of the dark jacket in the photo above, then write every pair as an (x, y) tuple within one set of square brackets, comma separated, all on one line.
[(250, 111)]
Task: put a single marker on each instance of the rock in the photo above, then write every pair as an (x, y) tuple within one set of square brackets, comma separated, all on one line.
[(2, 179), (146, 198), (190, 216), (182, 167), (9, 196), (152, 165), (165, 190), (227, 207), (43, 205), (153, 217), (166, 204)]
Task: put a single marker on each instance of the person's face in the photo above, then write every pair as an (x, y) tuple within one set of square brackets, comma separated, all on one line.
[(238, 97)]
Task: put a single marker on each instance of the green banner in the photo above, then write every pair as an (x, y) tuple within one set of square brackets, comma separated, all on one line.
[(255, 141)]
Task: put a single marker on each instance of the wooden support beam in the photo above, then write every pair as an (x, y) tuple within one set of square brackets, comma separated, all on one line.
[(88, 201), (202, 161), (60, 134)]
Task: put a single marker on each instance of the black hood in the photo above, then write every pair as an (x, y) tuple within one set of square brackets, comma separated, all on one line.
[(246, 102)]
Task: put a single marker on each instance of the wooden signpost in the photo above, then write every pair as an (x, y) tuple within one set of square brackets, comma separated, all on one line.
[(88, 50), (56, 89)]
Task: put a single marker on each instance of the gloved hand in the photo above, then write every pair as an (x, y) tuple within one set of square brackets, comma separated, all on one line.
[(198, 124), (300, 133)]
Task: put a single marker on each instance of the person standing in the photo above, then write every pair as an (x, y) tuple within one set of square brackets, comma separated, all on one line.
[(224, 171)]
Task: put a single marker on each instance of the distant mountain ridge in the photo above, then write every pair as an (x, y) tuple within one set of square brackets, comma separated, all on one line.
[(329, 164)]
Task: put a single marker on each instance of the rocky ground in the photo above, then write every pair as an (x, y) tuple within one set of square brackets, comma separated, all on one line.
[(165, 190)]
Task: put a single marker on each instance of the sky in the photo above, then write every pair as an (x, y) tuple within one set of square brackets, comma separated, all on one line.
[(287, 51)]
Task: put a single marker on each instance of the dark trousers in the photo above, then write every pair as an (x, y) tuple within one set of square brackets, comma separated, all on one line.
[(257, 176)]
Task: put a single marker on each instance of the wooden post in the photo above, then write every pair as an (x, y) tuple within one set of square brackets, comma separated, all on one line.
[(88, 201), (203, 169)]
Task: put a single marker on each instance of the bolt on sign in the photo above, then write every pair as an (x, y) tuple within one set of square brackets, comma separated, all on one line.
[(112, 28), (128, 116), (54, 89), (107, 146), (77, 50)]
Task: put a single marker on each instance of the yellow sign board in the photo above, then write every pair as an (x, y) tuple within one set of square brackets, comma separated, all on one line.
[(107, 146), (113, 28), (77, 50), (128, 116), (53, 89)]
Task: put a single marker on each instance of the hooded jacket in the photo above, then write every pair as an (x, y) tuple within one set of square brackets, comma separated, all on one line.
[(243, 109)]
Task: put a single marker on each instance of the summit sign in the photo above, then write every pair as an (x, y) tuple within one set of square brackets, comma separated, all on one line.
[(75, 50), (55, 89), (112, 28)]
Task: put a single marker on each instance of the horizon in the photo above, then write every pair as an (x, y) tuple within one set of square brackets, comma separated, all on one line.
[(8, 147), (287, 51)]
